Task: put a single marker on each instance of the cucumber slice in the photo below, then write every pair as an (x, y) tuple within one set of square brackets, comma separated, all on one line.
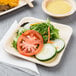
[(59, 44), (47, 53)]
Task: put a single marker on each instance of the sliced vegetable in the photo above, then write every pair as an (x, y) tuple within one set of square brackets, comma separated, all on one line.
[(59, 44), (47, 53), (30, 43), (30, 39)]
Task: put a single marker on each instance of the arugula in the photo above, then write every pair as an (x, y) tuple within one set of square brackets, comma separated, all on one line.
[(42, 28)]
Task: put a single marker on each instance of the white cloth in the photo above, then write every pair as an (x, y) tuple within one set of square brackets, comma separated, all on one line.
[(15, 62)]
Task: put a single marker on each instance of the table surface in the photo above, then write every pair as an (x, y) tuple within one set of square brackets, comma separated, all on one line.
[(67, 66)]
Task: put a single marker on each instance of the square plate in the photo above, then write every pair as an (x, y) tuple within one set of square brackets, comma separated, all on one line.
[(64, 31), (21, 4)]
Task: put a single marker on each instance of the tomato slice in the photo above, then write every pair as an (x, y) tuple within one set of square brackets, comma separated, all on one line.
[(30, 43)]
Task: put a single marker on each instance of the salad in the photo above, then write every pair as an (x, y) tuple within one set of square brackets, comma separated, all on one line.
[(40, 39)]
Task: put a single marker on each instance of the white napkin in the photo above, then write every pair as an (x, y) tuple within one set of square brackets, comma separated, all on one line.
[(15, 62)]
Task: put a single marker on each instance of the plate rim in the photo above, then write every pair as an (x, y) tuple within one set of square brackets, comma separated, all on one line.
[(58, 61)]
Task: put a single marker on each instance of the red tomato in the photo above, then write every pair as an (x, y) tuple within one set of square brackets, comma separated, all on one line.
[(30, 43)]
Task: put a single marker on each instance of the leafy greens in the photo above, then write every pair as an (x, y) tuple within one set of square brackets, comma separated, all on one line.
[(42, 28), (19, 32)]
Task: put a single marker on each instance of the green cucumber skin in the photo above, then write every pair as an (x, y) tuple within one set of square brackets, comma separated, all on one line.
[(48, 58), (61, 49), (54, 54), (63, 46)]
